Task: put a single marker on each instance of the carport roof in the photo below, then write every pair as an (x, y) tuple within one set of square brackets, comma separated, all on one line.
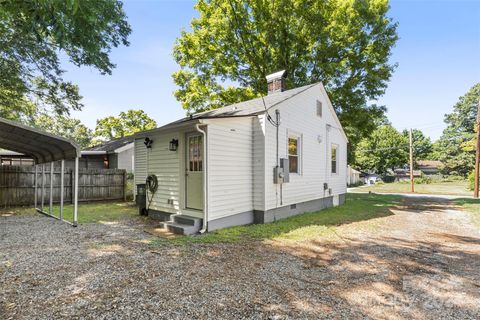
[(41, 146)]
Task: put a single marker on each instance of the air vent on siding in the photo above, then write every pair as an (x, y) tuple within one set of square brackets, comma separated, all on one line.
[(319, 109)]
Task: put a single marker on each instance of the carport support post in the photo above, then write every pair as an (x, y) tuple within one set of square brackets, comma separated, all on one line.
[(43, 186), (35, 181), (75, 195), (50, 207), (62, 168)]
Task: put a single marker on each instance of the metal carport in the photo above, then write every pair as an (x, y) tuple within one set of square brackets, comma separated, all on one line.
[(44, 148)]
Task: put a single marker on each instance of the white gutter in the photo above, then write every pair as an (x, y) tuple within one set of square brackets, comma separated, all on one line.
[(205, 189), (92, 152)]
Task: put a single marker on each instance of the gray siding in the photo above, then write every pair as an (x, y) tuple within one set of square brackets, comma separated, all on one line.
[(125, 160)]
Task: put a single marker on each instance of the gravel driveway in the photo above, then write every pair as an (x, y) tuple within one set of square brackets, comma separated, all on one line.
[(422, 261)]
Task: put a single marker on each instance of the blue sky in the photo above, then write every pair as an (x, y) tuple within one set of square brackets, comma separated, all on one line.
[(438, 58)]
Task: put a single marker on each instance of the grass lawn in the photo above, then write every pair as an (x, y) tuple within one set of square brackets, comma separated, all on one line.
[(358, 207), (87, 212), (446, 188), (472, 206)]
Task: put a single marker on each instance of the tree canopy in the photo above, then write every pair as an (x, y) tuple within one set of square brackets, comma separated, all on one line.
[(456, 147), (422, 145), (66, 127), (127, 123), (384, 149), (35, 34), (234, 44)]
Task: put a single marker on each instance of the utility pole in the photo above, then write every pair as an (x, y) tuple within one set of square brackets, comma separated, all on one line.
[(477, 154), (412, 185)]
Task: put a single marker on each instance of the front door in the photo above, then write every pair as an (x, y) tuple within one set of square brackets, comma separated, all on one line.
[(194, 172)]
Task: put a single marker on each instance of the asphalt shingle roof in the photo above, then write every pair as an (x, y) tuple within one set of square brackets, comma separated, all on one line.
[(241, 109), (113, 144), (251, 107)]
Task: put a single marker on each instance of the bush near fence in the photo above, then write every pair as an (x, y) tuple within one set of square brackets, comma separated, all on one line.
[(17, 186)]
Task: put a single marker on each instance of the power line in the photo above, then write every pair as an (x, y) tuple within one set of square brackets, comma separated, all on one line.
[(384, 149)]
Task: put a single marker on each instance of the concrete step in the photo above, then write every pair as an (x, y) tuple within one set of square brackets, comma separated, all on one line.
[(179, 228), (188, 220)]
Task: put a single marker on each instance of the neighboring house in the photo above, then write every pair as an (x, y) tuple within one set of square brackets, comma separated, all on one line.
[(119, 153), (429, 167), (353, 176), (223, 167), (12, 158), (404, 174), (114, 154), (370, 178)]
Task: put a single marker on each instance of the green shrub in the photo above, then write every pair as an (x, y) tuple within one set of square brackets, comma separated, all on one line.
[(388, 179), (471, 180), (452, 178), (358, 184), (423, 180)]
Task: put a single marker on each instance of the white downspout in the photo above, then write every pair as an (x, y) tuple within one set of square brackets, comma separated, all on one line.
[(205, 184), (327, 159)]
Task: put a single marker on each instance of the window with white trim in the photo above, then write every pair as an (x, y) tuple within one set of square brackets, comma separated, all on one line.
[(334, 156), (294, 149)]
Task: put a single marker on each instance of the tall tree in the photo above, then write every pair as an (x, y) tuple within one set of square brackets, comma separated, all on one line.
[(33, 34), (422, 145), (456, 143), (345, 44), (66, 127), (385, 149), (127, 123)]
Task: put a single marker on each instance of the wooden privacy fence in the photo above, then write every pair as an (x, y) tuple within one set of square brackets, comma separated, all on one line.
[(17, 186)]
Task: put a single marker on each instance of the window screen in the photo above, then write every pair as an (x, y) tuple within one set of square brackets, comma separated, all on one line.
[(334, 158), (195, 157), (293, 154)]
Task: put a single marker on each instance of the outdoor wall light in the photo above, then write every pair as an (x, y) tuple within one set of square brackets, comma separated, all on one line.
[(148, 142), (173, 145)]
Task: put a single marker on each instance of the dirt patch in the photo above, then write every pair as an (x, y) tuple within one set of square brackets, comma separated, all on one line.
[(421, 262)]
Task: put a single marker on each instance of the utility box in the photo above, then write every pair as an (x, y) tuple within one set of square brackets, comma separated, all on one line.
[(285, 165), (141, 199), (278, 175), (281, 174)]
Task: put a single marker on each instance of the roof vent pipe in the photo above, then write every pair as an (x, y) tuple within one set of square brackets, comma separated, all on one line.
[(276, 81)]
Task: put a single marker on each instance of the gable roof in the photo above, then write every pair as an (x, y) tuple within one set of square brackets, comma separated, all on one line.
[(112, 145), (248, 108), (251, 107), (433, 164)]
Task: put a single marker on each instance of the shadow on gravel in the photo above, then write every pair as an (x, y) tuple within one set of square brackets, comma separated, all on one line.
[(392, 277)]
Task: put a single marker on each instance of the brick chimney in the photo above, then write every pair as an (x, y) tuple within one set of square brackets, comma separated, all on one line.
[(276, 81)]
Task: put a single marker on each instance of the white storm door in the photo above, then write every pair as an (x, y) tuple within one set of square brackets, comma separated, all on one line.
[(194, 172)]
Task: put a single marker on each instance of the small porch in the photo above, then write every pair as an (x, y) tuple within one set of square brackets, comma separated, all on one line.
[(175, 158)]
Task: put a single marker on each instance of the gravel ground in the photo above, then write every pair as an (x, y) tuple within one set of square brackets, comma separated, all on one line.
[(423, 262)]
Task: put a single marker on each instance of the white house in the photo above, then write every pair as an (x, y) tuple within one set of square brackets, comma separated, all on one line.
[(118, 153), (353, 176), (252, 162)]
